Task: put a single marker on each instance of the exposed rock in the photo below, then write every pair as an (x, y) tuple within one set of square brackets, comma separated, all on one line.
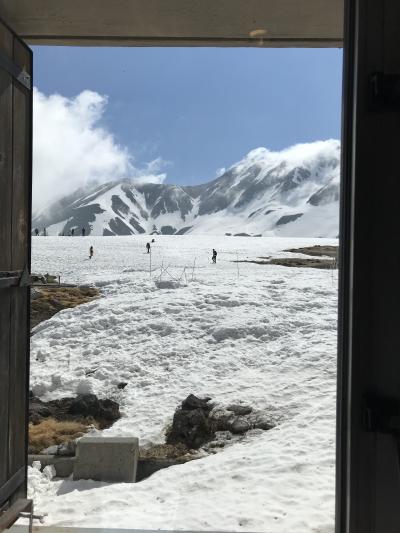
[(193, 402), (35, 293), (89, 405), (288, 218), (67, 449), (183, 230), (122, 385), (109, 410), (191, 425), (239, 425), (167, 230), (167, 284), (197, 423), (37, 411), (83, 406), (263, 424), (239, 409), (327, 194)]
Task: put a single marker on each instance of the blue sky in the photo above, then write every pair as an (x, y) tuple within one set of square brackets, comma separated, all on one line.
[(201, 109)]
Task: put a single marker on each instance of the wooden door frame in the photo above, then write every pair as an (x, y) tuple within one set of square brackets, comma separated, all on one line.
[(361, 494), (16, 265)]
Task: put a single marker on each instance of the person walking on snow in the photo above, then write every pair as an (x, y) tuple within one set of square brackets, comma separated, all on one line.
[(91, 252), (148, 247), (214, 256), (83, 232)]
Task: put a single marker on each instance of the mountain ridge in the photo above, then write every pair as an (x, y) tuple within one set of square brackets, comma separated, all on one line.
[(294, 192)]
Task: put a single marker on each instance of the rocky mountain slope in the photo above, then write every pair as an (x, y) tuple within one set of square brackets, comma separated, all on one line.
[(294, 192)]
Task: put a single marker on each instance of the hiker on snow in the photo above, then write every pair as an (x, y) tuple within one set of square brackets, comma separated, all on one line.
[(148, 247), (36, 232), (91, 252), (214, 256), (83, 232)]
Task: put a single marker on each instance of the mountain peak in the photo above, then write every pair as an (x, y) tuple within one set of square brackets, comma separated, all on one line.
[(293, 192)]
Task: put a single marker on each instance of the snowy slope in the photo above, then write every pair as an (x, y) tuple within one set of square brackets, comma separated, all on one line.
[(262, 335), (294, 192)]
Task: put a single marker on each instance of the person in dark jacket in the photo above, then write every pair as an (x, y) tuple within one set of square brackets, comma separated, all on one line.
[(148, 247), (83, 232), (214, 256), (36, 232), (91, 252)]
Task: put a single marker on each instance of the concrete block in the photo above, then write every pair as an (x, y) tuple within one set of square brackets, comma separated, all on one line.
[(112, 459)]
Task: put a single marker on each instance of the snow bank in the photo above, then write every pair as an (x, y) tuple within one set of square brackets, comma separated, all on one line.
[(264, 335)]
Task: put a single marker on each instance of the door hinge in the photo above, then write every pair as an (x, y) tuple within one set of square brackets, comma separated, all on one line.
[(15, 278)]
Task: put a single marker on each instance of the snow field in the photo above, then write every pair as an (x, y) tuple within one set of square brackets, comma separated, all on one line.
[(261, 335)]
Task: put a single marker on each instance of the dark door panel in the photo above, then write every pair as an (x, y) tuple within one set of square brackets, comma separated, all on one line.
[(15, 215)]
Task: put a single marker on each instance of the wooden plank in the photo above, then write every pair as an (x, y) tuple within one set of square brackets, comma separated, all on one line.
[(6, 103), (6, 48), (12, 485), (18, 375), (20, 234), (21, 163), (5, 295), (14, 512), (174, 22)]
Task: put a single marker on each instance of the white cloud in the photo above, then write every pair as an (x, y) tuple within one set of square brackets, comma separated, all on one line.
[(152, 172), (71, 149)]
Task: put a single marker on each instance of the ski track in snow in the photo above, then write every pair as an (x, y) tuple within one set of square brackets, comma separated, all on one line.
[(261, 335)]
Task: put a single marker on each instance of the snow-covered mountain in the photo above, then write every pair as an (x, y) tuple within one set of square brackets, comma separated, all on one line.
[(294, 192)]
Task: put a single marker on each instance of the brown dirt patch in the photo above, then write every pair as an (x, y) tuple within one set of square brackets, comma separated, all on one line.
[(303, 263), (51, 432), (165, 451), (49, 301), (317, 250), (294, 262)]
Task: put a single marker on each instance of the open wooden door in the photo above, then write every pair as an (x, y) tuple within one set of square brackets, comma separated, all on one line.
[(15, 220)]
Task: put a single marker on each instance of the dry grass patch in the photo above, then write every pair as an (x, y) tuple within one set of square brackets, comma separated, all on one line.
[(294, 262), (49, 301), (317, 250), (51, 432), (165, 451)]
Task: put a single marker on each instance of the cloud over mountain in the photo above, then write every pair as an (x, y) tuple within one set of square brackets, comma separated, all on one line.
[(72, 149)]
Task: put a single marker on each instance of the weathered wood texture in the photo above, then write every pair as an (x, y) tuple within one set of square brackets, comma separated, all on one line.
[(15, 201), (286, 23)]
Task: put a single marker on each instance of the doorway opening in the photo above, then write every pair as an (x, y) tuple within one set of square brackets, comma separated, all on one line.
[(243, 341)]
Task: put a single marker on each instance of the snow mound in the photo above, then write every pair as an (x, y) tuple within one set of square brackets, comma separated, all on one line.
[(259, 333)]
